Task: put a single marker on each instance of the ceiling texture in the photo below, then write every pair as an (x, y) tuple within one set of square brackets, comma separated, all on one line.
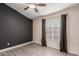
[(48, 9)]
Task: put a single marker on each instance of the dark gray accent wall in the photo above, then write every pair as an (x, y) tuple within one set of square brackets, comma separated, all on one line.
[(15, 28)]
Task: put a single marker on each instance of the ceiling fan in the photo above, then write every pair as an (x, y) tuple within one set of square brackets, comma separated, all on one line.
[(34, 6)]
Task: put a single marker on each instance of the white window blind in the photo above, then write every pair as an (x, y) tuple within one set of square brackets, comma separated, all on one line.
[(53, 28)]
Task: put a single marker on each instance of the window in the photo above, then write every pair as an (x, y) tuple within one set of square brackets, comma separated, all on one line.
[(53, 28)]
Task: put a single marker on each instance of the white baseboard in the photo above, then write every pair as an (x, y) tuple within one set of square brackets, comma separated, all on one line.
[(37, 42), (9, 48), (73, 52)]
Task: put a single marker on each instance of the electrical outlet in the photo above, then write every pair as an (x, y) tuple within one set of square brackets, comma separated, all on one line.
[(8, 44)]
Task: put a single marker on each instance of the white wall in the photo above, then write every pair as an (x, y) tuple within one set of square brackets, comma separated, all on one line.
[(37, 31), (72, 28)]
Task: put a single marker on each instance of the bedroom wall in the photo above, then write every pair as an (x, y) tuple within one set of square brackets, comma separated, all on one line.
[(14, 28), (72, 28)]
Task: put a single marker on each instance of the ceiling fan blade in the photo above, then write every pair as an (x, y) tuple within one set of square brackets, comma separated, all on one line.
[(38, 4), (41, 4), (35, 9), (26, 8)]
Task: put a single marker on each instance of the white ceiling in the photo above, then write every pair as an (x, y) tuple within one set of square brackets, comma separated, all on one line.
[(30, 13)]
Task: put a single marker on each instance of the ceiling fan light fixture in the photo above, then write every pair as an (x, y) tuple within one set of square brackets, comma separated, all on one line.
[(32, 6)]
